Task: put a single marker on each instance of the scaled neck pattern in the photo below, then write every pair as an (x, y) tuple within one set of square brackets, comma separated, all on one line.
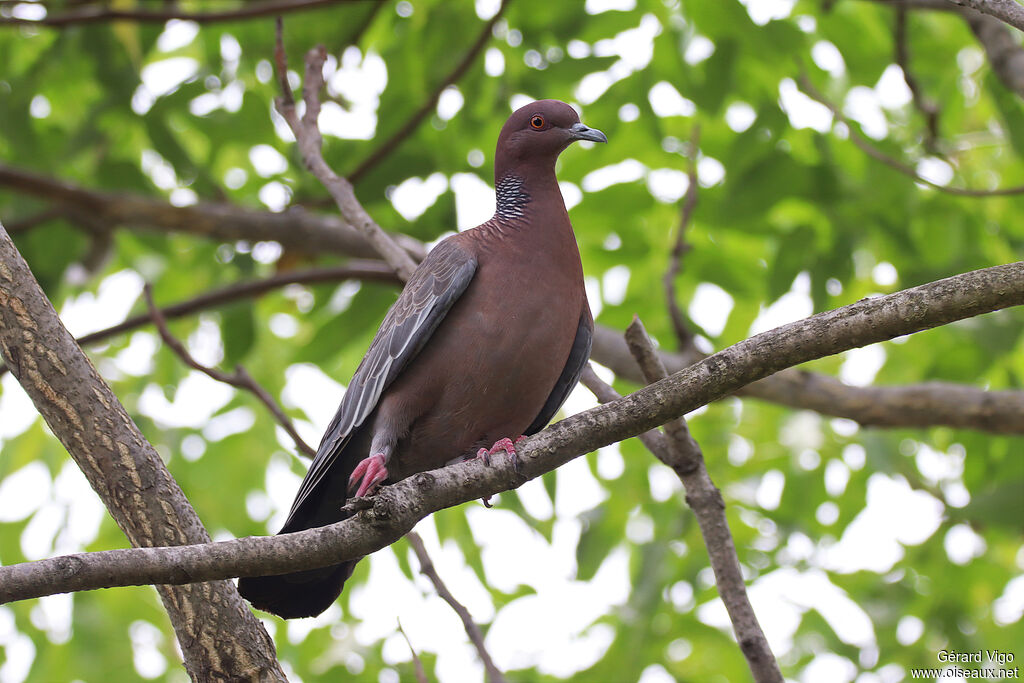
[(511, 198)]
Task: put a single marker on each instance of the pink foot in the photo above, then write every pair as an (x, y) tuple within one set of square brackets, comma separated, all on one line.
[(369, 473), (506, 445)]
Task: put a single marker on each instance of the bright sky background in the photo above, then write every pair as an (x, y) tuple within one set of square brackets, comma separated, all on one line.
[(551, 629)]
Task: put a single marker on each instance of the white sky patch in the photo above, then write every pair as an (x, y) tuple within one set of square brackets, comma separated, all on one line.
[(710, 307), (235, 421), (803, 112), (275, 195), (158, 169), (698, 49), (862, 105), (593, 289), (450, 102), (740, 116), (1008, 607), (27, 10), (494, 62), (571, 194), (829, 667), (24, 491), (769, 491), (626, 171), (39, 108), (485, 9), (667, 185), (828, 58), (614, 284), (415, 195), (666, 101), (936, 170), (164, 77), (110, 305), (710, 171), (360, 81), (629, 112), (136, 359), (598, 6), (884, 274), (861, 365), (146, 656), (892, 89), (937, 467), (196, 400), (909, 629), (895, 514), (474, 200), (780, 597), (520, 100), (177, 34), (796, 304), (52, 614), (19, 651), (16, 408), (837, 475), (962, 544), (763, 11), (313, 392), (634, 47), (267, 161)]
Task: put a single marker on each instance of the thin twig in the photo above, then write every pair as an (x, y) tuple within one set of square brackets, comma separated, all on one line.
[(241, 379), (421, 675), (91, 14), (368, 271), (706, 501), (310, 142), (476, 636), (681, 247), (858, 139), (928, 108), (413, 122)]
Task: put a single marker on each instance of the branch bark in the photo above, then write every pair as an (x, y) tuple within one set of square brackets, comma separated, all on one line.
[(309, 141), (1006, 11), (91, 14), (127, 473), (683, 454), (476, 636), (395, 509)]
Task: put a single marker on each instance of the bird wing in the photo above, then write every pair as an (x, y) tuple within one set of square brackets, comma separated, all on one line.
[(578, 356), (434, 287)]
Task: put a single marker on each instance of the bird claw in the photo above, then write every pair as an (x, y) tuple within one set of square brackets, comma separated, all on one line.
[(368, 475), (506, 445)]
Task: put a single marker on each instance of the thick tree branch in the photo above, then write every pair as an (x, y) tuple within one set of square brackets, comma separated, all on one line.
[(476, 636), (412, 123), (1006, 11), (878, 155), (309, 141), (94, 13), (395, 509), (127, 473), (241, 379), (296, 229), (683, 454)]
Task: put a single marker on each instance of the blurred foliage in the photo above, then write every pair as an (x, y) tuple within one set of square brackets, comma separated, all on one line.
[(779, 203)]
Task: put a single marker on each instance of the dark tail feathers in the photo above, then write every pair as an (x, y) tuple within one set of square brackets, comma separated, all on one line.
[(301, 594)]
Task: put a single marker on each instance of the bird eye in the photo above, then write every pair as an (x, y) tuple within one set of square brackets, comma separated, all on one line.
[(537, 122)]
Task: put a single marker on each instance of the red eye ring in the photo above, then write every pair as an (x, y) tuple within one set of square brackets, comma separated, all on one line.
[(537, 122)]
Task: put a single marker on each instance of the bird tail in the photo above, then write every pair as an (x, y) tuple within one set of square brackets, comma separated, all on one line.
[(309, 592)]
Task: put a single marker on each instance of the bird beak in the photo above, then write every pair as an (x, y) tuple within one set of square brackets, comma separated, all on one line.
[(582, 132)]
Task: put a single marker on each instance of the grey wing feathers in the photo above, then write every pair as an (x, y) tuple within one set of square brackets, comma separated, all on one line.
[(434, 287), (578, 356)]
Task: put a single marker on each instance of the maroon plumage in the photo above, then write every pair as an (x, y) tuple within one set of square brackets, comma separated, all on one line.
[(485, 342)]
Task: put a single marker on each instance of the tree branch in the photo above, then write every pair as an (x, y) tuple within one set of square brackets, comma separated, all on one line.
[(878, 155), (241, 379), (681, 247), (91, 14), (127, 473), (309, 141), (395, 509), (1006, 11), (413, 122), (928, 108), (295, 229), (683, 454), (476, 636)]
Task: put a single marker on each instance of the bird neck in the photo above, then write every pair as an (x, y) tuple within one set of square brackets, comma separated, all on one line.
[(522, 191)]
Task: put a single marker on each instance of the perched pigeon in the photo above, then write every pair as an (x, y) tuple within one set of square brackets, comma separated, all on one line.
[(485, 343)]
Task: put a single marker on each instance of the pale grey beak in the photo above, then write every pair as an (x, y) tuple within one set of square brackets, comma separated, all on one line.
[(581, 132)]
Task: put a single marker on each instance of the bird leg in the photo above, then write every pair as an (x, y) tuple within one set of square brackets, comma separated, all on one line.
[(368, 475), (506, 445)]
